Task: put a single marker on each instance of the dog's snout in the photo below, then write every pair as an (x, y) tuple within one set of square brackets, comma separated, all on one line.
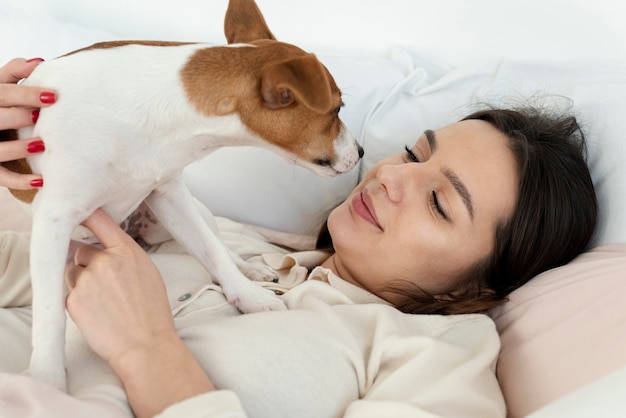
[(322, 162), (329, 162)]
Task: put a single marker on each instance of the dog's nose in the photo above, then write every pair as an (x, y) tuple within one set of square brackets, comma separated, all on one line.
[(361, 151)]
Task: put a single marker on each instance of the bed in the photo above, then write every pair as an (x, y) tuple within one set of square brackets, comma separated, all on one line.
[(405, 65)]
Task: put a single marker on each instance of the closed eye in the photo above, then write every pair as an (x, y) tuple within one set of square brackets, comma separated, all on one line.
[(338, 108), (434, 201), (435, 204), (410, 155)]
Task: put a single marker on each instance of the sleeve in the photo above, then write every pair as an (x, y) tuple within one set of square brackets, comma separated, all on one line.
[(25, 397), (451, 374), (216, 404)]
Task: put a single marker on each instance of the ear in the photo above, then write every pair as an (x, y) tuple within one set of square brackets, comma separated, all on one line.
[(244, 23), (303, 79)]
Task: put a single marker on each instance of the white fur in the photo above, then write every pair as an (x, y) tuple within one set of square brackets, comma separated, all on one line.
[(114, 140)]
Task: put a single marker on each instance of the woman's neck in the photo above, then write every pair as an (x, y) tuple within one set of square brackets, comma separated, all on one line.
[(329, 263), (334, 264)]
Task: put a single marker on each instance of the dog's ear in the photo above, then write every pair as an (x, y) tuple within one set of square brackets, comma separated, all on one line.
[(303, 79), (244, 23)]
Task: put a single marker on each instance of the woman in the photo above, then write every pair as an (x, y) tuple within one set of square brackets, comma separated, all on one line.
[(450, 225)]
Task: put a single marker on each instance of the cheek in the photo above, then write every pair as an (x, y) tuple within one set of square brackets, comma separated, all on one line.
[(423, 256), (410, 254), (341, 225)]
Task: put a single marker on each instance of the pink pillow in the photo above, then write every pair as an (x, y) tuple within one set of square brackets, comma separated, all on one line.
[(564, 329)]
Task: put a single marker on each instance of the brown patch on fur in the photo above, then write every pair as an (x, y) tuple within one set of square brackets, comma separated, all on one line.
[(262, 80), (117, 44), (19, 166)]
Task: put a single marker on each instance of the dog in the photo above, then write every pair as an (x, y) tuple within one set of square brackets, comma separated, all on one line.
[(131, 115)]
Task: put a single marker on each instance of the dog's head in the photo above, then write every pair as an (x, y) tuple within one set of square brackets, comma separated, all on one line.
[(295, 102), (299, 112)]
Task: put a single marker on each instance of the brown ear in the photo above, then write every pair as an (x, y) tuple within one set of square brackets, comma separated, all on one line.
[(244, 23), (301, 79)]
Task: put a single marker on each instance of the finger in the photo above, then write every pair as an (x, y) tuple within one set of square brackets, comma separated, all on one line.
[(106, 230), (18, 95), (14, 150), (72, 273), (17, 117), (18, 68), (84, 254), (16, 181)]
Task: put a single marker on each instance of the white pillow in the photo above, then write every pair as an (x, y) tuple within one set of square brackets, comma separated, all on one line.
[(597, 92)]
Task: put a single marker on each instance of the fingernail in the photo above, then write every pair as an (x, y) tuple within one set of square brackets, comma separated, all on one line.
[(37, 183), (35, 59), (36, 146), (35, 115), (47, 97)]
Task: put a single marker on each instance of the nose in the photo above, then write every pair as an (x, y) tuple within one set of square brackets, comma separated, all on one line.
[(389, 177)]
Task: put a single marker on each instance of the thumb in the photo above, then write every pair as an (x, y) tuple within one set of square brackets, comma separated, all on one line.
[(105, 229)]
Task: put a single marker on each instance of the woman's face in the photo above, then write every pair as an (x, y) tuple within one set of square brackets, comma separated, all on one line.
[(426, 215)]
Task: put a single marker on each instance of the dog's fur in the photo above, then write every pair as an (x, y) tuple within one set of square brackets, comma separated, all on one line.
[(131, 115)]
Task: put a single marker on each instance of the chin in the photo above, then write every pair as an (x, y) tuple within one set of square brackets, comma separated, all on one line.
[(341, 225)]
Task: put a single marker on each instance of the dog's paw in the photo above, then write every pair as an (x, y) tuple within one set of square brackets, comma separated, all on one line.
[(257, 272), (256, 299)]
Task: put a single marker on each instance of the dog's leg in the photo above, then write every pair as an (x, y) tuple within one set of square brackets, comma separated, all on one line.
[(52, 228), (259, 273), (145, 228), (174, 205)]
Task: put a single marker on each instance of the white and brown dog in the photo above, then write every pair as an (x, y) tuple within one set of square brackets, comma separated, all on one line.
[(131, 115)]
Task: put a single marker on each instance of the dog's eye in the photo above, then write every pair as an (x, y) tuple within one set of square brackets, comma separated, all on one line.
[(338, 108)]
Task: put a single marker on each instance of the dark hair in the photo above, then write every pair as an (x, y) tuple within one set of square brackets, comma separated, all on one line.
[(553, 220)]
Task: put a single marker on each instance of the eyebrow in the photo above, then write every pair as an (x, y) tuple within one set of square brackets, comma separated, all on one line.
[(456, 182), (432, 141)]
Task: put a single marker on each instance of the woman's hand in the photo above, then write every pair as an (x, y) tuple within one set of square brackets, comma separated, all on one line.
[(118, 301), (117, 297), (19, 107)]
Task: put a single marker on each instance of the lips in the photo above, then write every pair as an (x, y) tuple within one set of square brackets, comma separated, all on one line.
[(364, 207)]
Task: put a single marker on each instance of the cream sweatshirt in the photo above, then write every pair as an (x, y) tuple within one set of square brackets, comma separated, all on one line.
[(339, 351)]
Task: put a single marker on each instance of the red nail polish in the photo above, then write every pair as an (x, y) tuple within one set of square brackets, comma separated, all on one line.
[(35, 59), (47, 97), (36, 146), (35, 115), (37, 183)]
